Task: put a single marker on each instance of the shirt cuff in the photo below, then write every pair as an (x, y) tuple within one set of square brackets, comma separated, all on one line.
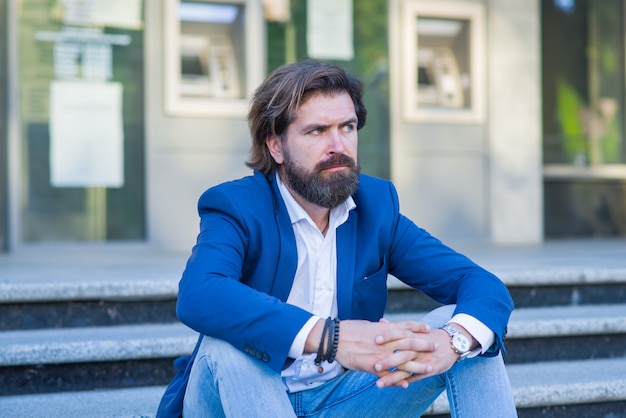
[(478, 330), (297, 346)]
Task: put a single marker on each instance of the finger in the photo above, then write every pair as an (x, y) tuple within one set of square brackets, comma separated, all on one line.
[(404, 383), (406, 349), (396, 378), (414, 326), (401, 330), (413, 343), (407, 361), (394, 361), (400, 378), (419, 327)]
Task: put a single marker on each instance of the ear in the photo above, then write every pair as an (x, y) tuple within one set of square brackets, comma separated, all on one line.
[(275, 146)]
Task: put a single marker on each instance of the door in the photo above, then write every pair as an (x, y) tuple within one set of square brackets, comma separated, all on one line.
[(81, 121), (4, 159)]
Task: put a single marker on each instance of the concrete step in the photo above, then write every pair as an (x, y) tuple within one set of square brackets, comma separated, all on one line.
[(85, 313), (587, 388), (537, 288), (71, 359), (572, 333), (89, 272), (555, 273), (63, 283), (95, 344), (580, 388), (403, 299), (52, 360), (139, 402), (561, 332), (84, 303), (123, 298), (145, 308)]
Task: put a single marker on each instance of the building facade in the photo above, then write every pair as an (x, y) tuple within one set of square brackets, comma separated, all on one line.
[(499, 121)]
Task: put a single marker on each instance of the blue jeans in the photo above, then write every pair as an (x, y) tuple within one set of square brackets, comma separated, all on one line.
[(225, 382)]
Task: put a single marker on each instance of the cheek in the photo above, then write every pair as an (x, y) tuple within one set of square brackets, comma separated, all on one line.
[(352, 145), (307, 153), (305, 159)]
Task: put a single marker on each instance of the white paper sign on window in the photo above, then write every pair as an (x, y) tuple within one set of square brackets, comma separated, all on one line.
[(114, 13), (330, 28), (86, 134)]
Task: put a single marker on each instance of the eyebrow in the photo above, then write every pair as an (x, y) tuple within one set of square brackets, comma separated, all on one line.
[(313, 126)]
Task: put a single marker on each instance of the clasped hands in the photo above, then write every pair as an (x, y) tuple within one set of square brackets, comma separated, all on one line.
[(398, 352)]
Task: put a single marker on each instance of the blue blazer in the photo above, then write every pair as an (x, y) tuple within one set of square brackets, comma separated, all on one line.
[(241, 269)]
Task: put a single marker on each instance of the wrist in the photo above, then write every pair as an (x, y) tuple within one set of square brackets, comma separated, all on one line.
[(329, 342), (313, 339), (473, 342), (460, 343), (484, 336)]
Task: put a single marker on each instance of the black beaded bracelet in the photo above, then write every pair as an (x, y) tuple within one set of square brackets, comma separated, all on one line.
[(330, 338), (335, 338), (320, 350)]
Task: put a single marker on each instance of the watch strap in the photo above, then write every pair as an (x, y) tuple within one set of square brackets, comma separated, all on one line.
[(453, 332)]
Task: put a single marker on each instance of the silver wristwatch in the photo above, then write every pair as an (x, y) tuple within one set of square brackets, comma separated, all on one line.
[(459, 342)]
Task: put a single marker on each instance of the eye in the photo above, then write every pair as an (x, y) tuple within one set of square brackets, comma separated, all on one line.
[(348, 128), (316, 130)]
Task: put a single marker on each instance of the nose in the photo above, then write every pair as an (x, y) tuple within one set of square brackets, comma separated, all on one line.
[(336, 143)]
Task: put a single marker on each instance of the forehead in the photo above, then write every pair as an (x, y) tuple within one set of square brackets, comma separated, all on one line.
[(325, 106)]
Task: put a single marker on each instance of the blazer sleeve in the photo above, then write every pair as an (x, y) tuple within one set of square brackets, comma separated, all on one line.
[(214, 300), (425, 263)]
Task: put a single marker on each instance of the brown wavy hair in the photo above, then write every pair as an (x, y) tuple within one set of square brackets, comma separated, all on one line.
[(276, 100)]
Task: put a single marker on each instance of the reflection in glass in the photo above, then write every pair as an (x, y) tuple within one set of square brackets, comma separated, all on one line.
[(583, 84), (584, 144)]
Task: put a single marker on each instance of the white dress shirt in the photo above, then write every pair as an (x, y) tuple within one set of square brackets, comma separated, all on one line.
[(314, 289)]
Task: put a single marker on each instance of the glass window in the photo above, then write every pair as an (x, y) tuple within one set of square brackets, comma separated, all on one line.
[(287, 42), (4, 166), (584, 144), (583, 76), (81, 122)]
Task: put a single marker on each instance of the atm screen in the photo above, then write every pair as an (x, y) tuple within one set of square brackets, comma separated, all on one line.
[(191, 65)]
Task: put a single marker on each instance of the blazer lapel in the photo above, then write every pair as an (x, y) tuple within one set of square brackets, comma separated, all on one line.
[(346, 259), (287, 251)]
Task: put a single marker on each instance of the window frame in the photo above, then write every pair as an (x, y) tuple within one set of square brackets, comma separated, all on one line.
[(474, 14), (177, 105)]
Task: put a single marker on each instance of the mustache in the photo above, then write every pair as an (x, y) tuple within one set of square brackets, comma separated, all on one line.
[(335, 161)]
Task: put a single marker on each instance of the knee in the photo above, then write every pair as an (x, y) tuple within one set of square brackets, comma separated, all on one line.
[(216, 351), (439, 316)]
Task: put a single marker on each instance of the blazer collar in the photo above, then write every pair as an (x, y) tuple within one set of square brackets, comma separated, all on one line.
[(346, 259), (288, 256), (287, 252)]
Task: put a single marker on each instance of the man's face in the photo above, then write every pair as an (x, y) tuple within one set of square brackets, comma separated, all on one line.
[(318, 155)]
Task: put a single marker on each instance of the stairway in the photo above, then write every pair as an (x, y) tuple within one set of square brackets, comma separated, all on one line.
[(92, 333)]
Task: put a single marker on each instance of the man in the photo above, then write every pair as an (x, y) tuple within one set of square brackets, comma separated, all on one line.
[(287, 282)]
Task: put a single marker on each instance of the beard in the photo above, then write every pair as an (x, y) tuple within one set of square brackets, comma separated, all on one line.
[(327, 190)]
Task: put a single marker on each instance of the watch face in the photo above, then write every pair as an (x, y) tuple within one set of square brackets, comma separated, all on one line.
[(461, 343)]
